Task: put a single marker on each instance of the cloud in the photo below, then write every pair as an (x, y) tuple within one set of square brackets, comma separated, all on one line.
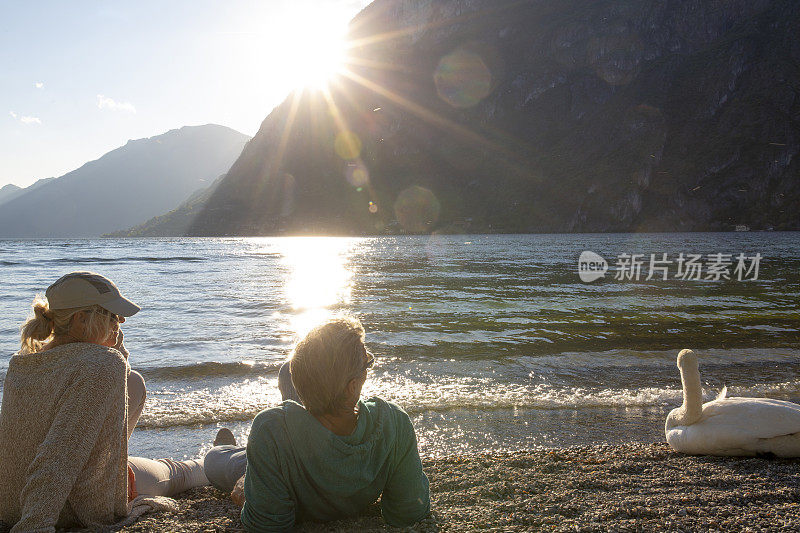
[(25, 119), (103, 102), (39, 84)]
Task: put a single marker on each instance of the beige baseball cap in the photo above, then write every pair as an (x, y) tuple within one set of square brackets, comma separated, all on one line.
[(81, 289)]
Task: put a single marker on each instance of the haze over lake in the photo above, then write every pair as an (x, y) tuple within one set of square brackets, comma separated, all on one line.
[(488, 341)]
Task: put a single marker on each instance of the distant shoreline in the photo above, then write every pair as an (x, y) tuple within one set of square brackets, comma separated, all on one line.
[(636, 487), (126, 235)]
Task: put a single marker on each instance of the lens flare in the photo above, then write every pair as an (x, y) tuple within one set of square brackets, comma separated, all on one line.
[(462, 79), (417, 209), (357, 174), (616, 59), (347, 145)]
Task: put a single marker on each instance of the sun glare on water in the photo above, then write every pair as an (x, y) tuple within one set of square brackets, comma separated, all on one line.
[(319, 278)]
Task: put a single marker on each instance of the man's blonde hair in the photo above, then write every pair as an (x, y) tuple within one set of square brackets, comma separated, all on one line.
[(44, 323), (325, 361)]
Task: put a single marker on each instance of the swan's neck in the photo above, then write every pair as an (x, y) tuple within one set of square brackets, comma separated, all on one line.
[(692, 406)]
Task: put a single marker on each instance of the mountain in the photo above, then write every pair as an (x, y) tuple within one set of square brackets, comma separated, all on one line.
[(535, 116), (175, 223), (125, 187), (8, 191), (11, 191)]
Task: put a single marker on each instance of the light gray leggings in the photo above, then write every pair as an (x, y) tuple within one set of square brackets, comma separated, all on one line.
[(225, 464), (162, 477)]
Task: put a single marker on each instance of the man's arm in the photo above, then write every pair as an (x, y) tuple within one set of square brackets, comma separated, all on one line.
[(406, 497), (268, 504)]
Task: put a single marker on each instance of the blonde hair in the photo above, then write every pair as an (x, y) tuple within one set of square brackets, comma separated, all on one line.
[(44, 323), (325, 361)]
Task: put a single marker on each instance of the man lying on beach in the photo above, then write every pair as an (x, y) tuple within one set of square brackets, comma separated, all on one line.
[(330, 457)]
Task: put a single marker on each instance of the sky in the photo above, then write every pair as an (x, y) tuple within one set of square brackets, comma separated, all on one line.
[(80, 78)]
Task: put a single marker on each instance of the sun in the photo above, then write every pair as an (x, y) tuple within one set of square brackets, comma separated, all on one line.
[(318, 58), (313, 48)]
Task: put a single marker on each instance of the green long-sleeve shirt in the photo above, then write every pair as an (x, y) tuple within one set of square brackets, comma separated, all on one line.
[(298, 468)]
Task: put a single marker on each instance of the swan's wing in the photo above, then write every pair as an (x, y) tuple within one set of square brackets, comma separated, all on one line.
[(740, 420)]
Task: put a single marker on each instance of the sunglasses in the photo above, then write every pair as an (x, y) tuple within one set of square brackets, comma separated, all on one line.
[(106, 312), (369, 362)]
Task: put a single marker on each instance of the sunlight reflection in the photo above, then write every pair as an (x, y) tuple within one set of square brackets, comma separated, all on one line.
[(319, 280)]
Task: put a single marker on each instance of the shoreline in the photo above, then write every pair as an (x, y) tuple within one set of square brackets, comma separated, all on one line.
[(631, 487)]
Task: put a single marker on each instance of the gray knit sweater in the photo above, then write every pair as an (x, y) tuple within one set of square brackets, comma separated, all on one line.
[(63, 438)]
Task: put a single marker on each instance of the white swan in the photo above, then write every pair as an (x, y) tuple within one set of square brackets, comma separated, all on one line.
[(730, 426)]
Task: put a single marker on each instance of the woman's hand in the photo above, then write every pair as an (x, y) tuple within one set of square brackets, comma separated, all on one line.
[(119, 346), (237, 494)]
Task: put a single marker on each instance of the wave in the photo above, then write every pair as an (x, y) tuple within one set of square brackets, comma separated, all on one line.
[(242, 402), (630, 358), (222, 411), (194, 419), (188, 373), (124, 259), (210, 369), (217, 392), (105, 260)]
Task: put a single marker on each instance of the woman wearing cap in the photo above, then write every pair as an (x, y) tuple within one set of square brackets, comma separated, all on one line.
[(332, 456), (70, 403)]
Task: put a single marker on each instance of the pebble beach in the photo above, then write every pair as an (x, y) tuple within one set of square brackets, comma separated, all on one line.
[(631, 487)]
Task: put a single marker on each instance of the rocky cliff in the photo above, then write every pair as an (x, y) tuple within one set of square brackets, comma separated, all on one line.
[(529, 116)]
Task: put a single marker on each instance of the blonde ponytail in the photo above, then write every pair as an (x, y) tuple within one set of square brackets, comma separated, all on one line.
[(38, 327), (45, 323)]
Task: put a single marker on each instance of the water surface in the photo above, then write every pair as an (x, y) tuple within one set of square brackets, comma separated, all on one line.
[(488, 341)]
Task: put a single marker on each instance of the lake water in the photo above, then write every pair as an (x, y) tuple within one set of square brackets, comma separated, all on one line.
[(488, 341)]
